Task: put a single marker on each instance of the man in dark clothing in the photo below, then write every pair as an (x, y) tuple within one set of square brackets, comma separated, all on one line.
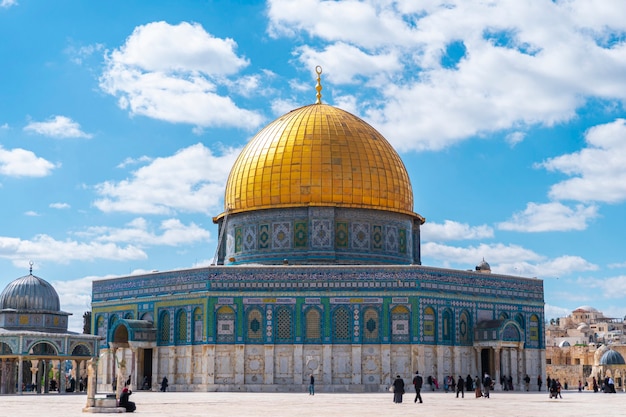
[(469, 383), (398, 390), (417, 383), (459, 387)]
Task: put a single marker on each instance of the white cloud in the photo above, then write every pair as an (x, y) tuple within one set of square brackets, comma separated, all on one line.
[(79, 53), (140, 232), (8, 3), (612, 287), (451, 230), (75, 298), (134, 161), (192, 180), (59, 206), (599, 170), (553, 312), (173, 72), (521, 65), (58, 127), (617, 265), (22, 163), (471, 256), (550, 217), (4, 126), (31, 213), (551, 268), (515, 137), (44, 247), (505, 259)]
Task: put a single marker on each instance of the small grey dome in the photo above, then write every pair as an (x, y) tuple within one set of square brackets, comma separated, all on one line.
[(483, 266), (612, 357), (30, 293)]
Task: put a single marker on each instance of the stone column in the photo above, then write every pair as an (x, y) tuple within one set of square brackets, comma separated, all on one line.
[(154, 381), (91, 382), (327, 365), (240, 364), (385, 363), (20, 367), (3, 379), (477, 368), (515, 370), (356, 364), (268, 375), (210, 364), (497, 351), (61, 382), (298, 378), (46, 380)]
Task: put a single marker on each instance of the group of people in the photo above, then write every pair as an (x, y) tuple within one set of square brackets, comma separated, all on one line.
[(482, 387)]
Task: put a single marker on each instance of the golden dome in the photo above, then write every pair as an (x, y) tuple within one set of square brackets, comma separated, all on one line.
[(319, 155)]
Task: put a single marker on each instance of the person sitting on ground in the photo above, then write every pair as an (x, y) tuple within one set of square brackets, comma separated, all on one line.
[(124, 400)]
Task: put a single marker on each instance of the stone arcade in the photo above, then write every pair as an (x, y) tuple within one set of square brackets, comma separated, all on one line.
[(318, 271)]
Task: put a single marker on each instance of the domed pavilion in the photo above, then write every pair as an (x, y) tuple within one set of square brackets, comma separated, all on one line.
[(34, 338), (317, 271)]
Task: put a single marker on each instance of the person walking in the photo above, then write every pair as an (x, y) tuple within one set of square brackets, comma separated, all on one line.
[(527, 382), (311, 385), (477, 389), (398, 389), (486, 385), (459, 387), (539, 382), (417, 383), (164, 384)]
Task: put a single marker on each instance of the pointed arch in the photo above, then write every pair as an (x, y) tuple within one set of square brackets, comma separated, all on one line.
[(465, 328), (254, 325), (400, 316), (447, 326), (313, 325), (430, 327), (225, 320), (284, 325), (181, 327), (341, 325), (198, 325), (371, 325), (164, 328)]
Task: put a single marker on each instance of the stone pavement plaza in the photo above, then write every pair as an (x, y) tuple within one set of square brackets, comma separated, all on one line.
[(502, 404)]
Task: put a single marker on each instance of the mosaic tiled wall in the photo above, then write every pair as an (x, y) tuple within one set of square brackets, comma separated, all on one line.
[(321, 235)]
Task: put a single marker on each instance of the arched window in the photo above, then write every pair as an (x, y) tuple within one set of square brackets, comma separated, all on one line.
[(341, 325), (447, 326), (400, 324), (225, 318), (100, 326), (519, 318), (164, 328), (503, 316), (534, 328), (313, 326), (112, 320), (371, 326), (128, 316), (284, 325), (181, 327), (429, 324), (198, 325), (255, 326), (465, 331)]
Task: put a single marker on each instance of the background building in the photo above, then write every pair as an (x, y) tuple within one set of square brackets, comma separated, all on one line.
[(317, 272), (34, 341)]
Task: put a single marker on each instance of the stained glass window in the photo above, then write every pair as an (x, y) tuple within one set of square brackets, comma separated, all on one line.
[(313, 325), (164, 328), (341, 325)]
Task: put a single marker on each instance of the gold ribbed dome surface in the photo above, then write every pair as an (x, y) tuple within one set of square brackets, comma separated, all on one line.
[(319, 155)]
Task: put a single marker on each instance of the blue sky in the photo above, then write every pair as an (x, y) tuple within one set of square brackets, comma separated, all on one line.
[(120, 120)]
